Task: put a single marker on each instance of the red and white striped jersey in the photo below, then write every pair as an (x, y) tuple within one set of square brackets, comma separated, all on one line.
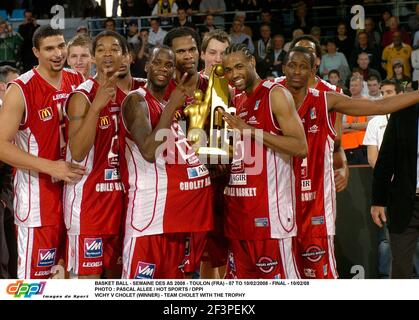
[(94, 205), (37, 196), (260, 205), (321, 85), (174, 193), (316, 197)]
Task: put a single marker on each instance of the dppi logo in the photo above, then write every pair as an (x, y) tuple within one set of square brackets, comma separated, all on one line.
[(93, 248), (27, 290), (145, 270)]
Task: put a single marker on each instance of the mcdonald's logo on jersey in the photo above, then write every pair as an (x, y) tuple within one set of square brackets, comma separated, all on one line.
[(104, 122), (45, 114)]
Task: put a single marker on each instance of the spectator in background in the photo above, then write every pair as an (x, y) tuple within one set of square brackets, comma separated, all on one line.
[(343, 43), (275, 58), (209, 23), (130, 8), (140, 54), (82, 30), (374, 92), (110, 24), (191, 6), (79, 56), (10, 45), (367, 47), (26, 30), (334, 60), (182, 19), (384, 24), (399, 75), (133, 36), (301, 20), (363, 65), (354, 129), (357, 72), (295, 34), (147, 7), (267, 18), (156, 33), (413, 21), (264, 43), (8, 242), (396, 51), (334, 78), (165, 9), (415, 63), (237, 36), (373, 36), (246, 29), (388, 36), (213, 7)]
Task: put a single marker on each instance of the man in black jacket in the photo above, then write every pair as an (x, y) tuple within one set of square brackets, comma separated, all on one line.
[(396, 186)]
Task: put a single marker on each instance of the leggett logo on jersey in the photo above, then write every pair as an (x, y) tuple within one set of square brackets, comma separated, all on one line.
[(45, 114), (145, 270), (93, 247), (20, 289), (46, 257)]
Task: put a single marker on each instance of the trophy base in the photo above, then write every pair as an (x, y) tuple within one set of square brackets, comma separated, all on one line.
[(212, 151)]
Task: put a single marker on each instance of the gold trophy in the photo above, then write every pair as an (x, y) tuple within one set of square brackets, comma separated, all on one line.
[(206, 118)]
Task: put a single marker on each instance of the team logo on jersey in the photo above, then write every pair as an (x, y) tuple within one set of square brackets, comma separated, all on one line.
[(145, 270), (93, 248), (45, 114), (238, 179), (197, 172), (266, 264), (112, 174), (314, 128), (313, 113), (310, 273), (46, 257), (313, 253), (104, 122), (257, 103), (306, 185), (317, 220), (261, 222)]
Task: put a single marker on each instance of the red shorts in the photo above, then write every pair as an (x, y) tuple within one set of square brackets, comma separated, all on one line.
[(158, 256), (195, 245), (39, 249), (216, 250), (261, 259), (91, 255), (316, 258)]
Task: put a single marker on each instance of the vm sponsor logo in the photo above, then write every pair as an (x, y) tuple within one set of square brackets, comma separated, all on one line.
[(93, 247), (145, 270)]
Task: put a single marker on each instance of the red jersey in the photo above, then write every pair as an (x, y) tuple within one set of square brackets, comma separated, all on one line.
[(322, 85), (94, 205), (174, 193), (317, 197), (37, 196), (260, 205)]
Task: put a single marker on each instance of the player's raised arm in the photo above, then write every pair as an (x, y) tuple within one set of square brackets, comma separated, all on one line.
[(364, 107)]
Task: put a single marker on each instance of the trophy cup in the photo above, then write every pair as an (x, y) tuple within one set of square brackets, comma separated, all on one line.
[(207, 130)]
